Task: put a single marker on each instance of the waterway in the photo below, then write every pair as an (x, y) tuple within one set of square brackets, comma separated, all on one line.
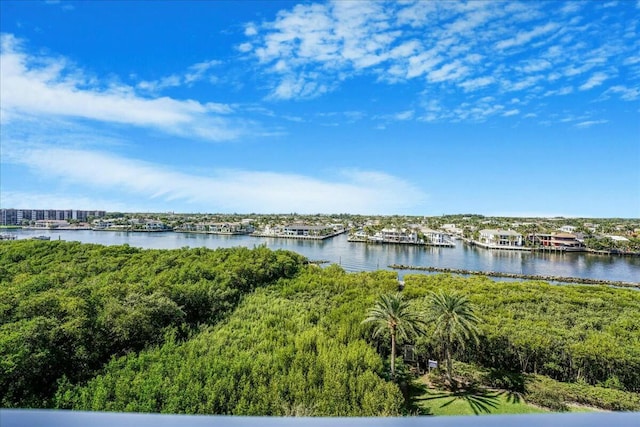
[(366, 257)]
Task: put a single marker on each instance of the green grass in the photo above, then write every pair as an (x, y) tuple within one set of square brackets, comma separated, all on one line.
[(471, 402), (429, 397)]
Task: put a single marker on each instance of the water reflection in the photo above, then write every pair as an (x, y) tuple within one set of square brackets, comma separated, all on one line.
[(361, 256)]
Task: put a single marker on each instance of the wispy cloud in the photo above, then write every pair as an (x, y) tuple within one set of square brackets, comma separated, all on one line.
[(193, 74), (595, 80), (589, 123), (477, 83), (226, 190), (452, 50), (525, 37), (626, 93), (405, 115), (561, 91), (53, 87)]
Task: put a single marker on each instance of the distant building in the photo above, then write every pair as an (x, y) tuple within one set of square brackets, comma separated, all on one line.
[(500, 238), (307, 230), (452, 229), (561, 241), (437, 238), (568, 229), (229, 227), (9, 217), (51, 223), (20, 216), (153, 225), (396, 235)]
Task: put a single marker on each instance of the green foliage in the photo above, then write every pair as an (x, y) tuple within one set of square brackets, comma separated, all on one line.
[(566, 332), (66, 308), (296, 348), (454, 321), (557, 395), (392, 314), (253, 332)]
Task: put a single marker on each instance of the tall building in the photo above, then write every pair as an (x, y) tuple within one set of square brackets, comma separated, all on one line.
[(19, 216)]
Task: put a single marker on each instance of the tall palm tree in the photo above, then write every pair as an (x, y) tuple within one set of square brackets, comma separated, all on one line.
[(393, 313), (455, 322)]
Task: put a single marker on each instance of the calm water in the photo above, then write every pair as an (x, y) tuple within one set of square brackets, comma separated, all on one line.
[(360, 256)]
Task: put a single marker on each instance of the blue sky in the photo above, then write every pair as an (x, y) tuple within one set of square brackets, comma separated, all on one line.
[(422, 108)]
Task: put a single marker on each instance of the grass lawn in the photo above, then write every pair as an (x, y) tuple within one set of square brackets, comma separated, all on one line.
[(473, 401), (446, 403)]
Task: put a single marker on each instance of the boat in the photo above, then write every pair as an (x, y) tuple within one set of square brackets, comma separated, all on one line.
[(41, 238)]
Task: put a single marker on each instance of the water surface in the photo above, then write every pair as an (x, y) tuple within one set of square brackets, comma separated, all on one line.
[(366, 257)]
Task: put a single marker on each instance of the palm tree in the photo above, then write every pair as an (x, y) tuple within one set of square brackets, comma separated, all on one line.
[(391, 312), (455, 322)]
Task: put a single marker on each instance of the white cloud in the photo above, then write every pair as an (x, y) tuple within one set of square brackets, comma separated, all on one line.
[(534, 65), (595, 80), (571, 7), (311, 49), (194, 73), (525, 37), (626, 93), (509, 113), (245, 47), (405, 115), (477, 83), (561, 91), (451, 71), (198, 71), (163, 83), (522, 84), (250, 29), (589, 123), (51, 87), (223, 190)]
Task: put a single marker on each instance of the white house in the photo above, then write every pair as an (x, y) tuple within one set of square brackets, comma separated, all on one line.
[(398, 235), (500, 238), (437, 238)]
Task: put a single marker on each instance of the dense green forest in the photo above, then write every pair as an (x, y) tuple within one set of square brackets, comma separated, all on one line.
[(570, 333), (255, 331), (67, 308)]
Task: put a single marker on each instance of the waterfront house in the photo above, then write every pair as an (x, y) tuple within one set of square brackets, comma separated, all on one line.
[(560, 241), (436, 238), (452, 229), (397, 235), (230, 228), (154, 225), (307, 230), (498, 239)]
